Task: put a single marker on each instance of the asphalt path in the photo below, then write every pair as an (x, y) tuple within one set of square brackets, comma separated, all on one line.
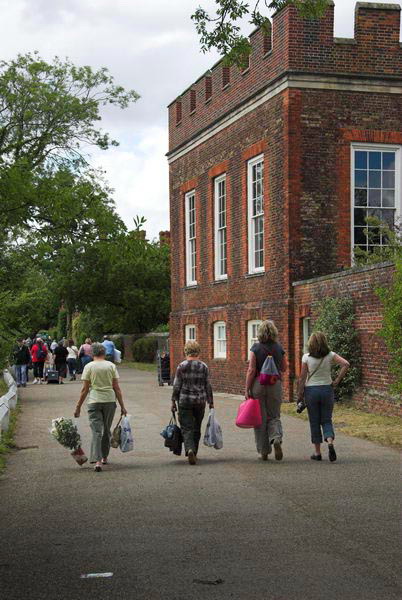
[(231, 527)]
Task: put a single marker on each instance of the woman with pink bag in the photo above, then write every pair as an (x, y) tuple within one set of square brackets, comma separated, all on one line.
[(269, 390)]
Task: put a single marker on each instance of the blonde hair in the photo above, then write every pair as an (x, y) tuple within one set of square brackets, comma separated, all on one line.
[(192, 348), (317, 345), (267, 332), (88, 341)]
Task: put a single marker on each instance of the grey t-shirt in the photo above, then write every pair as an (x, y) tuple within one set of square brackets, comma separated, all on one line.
[(261, 352)]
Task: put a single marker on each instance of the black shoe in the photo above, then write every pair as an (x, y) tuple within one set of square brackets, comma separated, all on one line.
[(316, 457), (331, 453)]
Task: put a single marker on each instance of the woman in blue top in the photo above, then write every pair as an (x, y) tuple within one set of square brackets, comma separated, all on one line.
[(270, 396)]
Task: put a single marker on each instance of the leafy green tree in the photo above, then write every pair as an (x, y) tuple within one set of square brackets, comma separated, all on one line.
[(336, 320), (392, 324), (49, 114), (375, 232), (222, 30)]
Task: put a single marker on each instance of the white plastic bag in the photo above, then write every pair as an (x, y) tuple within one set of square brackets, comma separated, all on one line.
[(126, 437), (213, 433), (117, 356)]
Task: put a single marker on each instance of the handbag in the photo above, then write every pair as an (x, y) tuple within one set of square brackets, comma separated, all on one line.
[(249, 414), (173, 436), (116, 435)]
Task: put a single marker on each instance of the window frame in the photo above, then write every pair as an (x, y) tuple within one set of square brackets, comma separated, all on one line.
[(370, 147), (187, 328), (306, 332), (252, 218), (219, 354), (250, 325), (190, 252), (217, 244)]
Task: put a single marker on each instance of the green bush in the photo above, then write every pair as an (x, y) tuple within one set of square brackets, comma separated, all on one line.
[(144, 349), (336, 320), (392, 324)]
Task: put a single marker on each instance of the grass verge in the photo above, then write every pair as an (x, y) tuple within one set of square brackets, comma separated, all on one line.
[(151, 367), (7, 442), (352, 421)]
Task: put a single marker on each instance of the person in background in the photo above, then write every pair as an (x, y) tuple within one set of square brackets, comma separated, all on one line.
[(72, 359), (60, 360), (53, 346), (39, 352), (101, 381), (270, 396), (85, 353), (109, 348), (191, 391), (317, 388), (21, 359)]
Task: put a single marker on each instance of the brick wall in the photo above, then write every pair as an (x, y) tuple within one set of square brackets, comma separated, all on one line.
[(298, 45), (360, 285), (305, 134)]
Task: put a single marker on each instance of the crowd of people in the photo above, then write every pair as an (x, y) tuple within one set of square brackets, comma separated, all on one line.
[(46, 357), (192, 389)]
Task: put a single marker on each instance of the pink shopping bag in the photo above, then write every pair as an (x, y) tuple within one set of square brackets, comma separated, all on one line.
[(249, 414)]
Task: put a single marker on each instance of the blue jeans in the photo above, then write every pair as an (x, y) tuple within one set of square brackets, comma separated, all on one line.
[(21, 374), (320, 404), (85, 360)]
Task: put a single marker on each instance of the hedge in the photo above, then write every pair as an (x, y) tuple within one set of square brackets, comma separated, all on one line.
[(144, 350)]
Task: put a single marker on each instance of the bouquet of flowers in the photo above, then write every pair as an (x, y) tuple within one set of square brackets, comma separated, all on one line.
[(66, 433)]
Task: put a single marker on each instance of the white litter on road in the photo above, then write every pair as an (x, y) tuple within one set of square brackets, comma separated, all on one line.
[(93, 575)]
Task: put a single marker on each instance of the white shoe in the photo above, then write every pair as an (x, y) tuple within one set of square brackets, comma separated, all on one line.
[(35, 381)]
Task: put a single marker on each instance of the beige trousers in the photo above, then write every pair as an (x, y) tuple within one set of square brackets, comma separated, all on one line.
[(270, 397)]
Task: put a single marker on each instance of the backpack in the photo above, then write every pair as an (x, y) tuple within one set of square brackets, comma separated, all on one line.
[(269, 373), (41, 353)]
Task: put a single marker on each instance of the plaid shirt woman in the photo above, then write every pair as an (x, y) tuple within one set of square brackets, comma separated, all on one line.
[(191, 391)]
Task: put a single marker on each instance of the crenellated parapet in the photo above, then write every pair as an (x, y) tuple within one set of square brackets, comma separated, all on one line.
[(293, 46)]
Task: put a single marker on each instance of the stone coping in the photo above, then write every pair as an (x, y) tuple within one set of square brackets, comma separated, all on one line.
[(377, 6), (346, 272)]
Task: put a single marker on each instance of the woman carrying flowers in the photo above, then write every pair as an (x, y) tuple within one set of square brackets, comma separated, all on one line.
[(101, 381)]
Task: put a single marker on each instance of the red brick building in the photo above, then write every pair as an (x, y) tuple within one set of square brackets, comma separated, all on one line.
[(273, 170)]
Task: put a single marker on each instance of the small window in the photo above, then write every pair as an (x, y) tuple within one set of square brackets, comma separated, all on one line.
[(191, 249), (189, 333), (221, 271), (220, 339), (178, 112), (307, 331), (255, 197), (225, 76), (208, 88), (252, 333), (193, 100)]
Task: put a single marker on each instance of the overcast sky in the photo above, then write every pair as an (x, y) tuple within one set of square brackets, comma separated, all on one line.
[(148, 45)]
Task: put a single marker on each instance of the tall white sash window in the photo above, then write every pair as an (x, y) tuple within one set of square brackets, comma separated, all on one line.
[(220, 228), (255, 197), (191, 248), (376, 192)]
